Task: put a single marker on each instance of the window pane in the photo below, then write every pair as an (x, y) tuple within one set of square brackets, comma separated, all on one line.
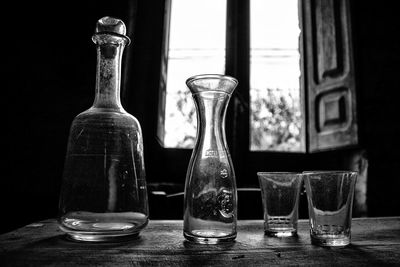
[(275, 115), (196, 46)]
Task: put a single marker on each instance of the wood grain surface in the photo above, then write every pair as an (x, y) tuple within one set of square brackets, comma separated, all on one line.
[(375, 242)]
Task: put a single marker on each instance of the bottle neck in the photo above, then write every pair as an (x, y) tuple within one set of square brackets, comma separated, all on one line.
[(108, 76)]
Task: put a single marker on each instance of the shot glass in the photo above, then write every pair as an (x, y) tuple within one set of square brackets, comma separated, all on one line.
[(280, 200), (330, 201)]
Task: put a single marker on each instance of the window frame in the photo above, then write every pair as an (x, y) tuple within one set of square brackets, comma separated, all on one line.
[(237, 64)]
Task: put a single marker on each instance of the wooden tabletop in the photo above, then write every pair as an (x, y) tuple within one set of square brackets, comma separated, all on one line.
[(375, 242)]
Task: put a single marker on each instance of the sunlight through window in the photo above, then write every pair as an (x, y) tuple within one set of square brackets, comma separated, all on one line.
[(275, 115), (196, 46)]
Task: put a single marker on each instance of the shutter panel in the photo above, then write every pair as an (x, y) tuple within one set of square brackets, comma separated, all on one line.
[(331, 94)]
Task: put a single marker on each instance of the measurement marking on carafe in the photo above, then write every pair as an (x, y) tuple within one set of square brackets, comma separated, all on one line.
[(212, 153)]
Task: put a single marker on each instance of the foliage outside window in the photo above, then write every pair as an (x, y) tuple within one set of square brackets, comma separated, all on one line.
[(197, 45)]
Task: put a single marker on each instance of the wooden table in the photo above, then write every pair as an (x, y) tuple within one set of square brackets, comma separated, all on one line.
[(375, 242)]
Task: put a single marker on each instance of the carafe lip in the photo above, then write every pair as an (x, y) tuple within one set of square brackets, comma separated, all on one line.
[(278, 173), (211, 76), (221, 77)]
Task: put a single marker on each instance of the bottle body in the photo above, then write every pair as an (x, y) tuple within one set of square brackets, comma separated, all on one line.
[(210, 202), (104, 193)]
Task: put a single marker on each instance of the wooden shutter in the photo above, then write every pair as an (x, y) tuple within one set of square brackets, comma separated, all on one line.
[(329, 75)]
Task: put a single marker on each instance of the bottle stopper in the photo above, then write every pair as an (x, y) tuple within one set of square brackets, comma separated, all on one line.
[(110, 25)]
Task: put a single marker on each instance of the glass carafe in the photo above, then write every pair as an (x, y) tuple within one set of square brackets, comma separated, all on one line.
[(103, 195), (210, 202)]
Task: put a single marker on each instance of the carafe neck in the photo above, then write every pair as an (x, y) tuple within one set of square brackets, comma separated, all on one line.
[(211, 108)]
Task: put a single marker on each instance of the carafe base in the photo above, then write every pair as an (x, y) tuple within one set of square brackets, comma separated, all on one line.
[(209, 236)]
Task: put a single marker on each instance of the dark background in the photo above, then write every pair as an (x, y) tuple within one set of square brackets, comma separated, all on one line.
[(48, 78)]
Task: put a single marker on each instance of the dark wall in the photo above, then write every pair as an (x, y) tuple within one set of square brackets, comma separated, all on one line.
[(49, 74), (377, 47)]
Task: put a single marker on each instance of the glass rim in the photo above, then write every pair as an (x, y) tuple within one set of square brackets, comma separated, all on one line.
[(211, 76), (330, 172)]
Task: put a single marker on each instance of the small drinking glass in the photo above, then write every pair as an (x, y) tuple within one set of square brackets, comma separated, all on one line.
[(280, 200), (330, 200)]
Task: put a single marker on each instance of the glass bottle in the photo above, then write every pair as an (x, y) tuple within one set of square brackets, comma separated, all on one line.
[(103, 195), (210, 202)]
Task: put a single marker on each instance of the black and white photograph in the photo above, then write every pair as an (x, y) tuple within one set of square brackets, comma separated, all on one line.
[(200, 133)]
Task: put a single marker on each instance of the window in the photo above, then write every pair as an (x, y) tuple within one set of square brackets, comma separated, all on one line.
[(197, 45), (284, 73)]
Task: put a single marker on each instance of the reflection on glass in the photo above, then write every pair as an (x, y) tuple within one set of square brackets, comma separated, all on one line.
[(275, 115), (196, 45)]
